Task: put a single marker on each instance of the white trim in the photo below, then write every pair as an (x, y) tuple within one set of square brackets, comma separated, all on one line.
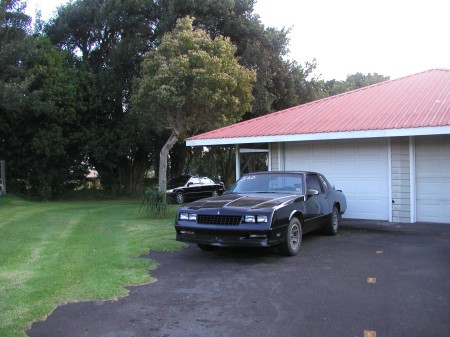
[(389, 151), (412, 179), (238, 163), (269, 165), (423, 131), (281, 163), (253, 150)]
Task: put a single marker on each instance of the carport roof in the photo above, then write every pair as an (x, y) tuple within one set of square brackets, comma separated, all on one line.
[(418, 104)]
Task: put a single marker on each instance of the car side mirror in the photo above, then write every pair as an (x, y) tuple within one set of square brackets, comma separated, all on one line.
[(189, 184), (311, 192)]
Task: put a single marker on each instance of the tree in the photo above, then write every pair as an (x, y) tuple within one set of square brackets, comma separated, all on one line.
[(191, 83), (41, 94), (110, 38), (280, 83), (354, 81)]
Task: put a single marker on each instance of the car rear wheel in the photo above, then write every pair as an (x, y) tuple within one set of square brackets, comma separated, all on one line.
[(179, 197), (333, 224), (291, 245), (215, 193)]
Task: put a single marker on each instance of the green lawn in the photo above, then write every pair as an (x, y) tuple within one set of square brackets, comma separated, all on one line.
[(57, 252)]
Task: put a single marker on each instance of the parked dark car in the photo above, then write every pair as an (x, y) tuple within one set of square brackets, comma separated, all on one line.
[(263, 209), (189, 187)]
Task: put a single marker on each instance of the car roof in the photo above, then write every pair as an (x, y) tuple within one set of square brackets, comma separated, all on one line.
[(275, 172)]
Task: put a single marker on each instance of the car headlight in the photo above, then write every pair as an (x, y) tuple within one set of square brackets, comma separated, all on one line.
[(250, 218), (255, 218), (261, 218), (169, 191), (187, 216)]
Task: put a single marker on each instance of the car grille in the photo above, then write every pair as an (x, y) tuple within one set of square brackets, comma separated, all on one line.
[(223, 220)]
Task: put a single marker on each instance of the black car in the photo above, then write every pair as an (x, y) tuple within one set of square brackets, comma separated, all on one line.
[(263, 209), (189, 187)]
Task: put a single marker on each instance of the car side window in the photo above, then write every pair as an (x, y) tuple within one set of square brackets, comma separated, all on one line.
[(312, 181), (325, 184), (206, 181), (194, 181)]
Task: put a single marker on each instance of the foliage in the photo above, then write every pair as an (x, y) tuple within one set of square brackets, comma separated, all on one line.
[(54, 253), (280, 83), (154, 203), (66, 105), (191, 83), (354, 81), (39, 111), (110, 37)]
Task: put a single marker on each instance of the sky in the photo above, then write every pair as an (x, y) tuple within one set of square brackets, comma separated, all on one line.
[(393, 38)]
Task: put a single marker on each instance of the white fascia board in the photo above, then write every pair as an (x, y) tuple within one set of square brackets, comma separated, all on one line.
[(425, 131)]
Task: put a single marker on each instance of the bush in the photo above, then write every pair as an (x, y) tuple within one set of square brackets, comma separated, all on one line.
[(154, 203)]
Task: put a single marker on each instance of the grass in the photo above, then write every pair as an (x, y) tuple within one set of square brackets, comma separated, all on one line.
[(57, 252)]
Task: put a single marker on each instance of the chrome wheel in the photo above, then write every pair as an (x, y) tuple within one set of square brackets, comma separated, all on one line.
[(295, 236), (293, 241), (179, 198), (335, 220), (332, 227)]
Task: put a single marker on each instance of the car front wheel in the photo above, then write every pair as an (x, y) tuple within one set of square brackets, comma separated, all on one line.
[(291, 245), (179, 197), (333, 224)]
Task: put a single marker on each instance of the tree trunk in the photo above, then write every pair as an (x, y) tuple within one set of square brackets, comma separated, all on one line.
[(162, 182)]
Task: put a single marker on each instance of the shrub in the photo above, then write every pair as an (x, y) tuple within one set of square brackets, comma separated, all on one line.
[(154, 203)]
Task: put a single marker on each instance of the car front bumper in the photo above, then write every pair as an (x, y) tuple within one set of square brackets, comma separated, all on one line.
[(233, 238)]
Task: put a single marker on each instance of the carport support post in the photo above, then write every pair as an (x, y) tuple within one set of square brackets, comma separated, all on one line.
[(238, 163)]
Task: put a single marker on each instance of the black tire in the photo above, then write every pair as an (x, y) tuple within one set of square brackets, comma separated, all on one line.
[(206, 247), (179, 198), (332, 226), (215, 193), (291, 245)]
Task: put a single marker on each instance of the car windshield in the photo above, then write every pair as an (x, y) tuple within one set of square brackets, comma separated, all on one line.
[(269, 183), (178, 181)]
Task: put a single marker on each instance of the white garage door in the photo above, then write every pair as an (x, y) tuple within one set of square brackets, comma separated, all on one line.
[(433, 179), (359, 168)]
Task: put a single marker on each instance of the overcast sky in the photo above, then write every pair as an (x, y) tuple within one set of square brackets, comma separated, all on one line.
[(390, 37)]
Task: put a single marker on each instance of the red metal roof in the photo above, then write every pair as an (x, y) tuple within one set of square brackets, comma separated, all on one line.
[(415, 101)]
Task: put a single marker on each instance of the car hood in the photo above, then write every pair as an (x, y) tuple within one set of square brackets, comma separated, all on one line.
[(248, 201)]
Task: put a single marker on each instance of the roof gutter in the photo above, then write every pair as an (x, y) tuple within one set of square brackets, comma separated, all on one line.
[(407, 132)]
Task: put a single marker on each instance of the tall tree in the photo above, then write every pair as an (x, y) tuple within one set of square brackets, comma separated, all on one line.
[(191, 83), (280, 83), (39, 121), (111, 37)]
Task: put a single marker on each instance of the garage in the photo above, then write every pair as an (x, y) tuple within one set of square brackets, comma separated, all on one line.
[(433, 178), (359, 168), (387, 145)]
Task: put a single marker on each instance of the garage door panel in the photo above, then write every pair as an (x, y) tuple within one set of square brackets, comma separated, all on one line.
[(349, 186), (322, 151), (433, 179), (370, 187), (369, 168), (345, 167), (364, 209), (428, 187), (359, 168), (370, 150)]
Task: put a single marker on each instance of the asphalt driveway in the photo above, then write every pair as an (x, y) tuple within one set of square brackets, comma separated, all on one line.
[(372, 279)]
